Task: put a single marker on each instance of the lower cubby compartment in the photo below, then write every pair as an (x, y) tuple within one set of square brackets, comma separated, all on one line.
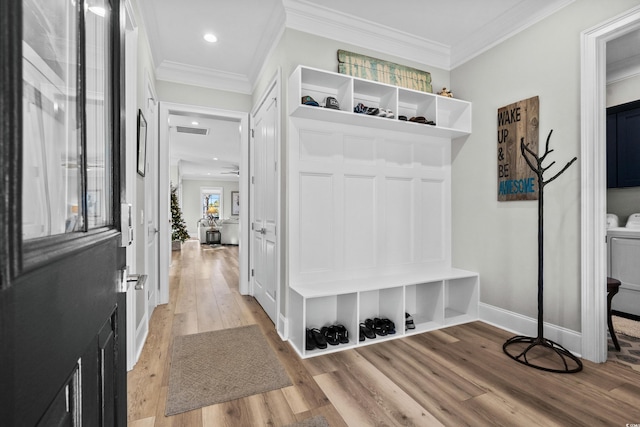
[(424, 303), (442, 299), (382, 304), (328, 311), (460, 300)]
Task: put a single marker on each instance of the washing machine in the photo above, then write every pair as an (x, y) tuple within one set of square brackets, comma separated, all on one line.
[(623, 263)]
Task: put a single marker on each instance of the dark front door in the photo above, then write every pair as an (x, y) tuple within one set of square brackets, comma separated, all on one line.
[(62, 309)]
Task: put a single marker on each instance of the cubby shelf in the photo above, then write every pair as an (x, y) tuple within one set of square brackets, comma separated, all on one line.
[(434, 299), (452, 116), (353, 258)]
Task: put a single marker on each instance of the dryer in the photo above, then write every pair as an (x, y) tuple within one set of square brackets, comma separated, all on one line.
[(623, 263)]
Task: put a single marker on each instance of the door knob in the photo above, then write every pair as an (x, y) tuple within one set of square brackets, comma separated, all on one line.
[(124, 279), (139, 279)]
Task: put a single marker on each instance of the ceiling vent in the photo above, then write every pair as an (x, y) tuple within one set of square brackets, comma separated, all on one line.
[(194, 131)]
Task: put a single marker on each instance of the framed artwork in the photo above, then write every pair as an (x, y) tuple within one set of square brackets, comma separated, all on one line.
[(517, 125), (235, 203), (378, 70), (94, 209), (142, 143)]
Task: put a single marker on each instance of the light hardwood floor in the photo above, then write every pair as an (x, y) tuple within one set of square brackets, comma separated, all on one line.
[(454, 377)]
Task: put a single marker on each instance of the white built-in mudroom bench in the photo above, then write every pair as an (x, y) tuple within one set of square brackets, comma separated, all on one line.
[(369, 210)]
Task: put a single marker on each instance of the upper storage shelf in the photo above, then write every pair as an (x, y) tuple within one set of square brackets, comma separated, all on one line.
[(452, 117)]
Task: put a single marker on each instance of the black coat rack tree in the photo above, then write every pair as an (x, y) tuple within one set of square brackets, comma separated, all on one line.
[(569, 362)]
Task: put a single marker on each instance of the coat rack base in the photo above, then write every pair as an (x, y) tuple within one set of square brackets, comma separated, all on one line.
[(543, 354)]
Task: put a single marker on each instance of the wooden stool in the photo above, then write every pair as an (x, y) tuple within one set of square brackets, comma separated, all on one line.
[(613, 285)]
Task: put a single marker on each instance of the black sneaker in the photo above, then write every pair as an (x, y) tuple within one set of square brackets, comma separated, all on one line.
[(408, 321)]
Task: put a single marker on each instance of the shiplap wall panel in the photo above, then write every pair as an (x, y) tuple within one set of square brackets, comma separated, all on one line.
[(319, 146), (359, 150), (365, 202), (399, 230), (360, 218), (430, 155), (398, 154), (431, 220), (316, 238)]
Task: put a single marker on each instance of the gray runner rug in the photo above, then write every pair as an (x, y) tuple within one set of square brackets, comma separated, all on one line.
[(219, 366), (317, 421), (628, 334)]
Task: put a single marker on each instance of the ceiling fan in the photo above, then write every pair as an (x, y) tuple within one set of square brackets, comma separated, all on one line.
[(235, 171)]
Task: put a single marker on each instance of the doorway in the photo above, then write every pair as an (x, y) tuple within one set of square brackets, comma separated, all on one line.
[(169, 173), (593, 177), (62, 280)]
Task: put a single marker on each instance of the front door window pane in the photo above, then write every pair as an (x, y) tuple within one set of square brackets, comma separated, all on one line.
[(51, 178), (98, 112)]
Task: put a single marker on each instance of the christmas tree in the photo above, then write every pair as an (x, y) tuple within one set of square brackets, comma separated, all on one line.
[(178, 226)]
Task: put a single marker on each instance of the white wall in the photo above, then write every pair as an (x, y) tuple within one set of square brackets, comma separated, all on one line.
[(299, 48), (498, 239), (145, 69), (201, 96), (191, 202), (623, 201)]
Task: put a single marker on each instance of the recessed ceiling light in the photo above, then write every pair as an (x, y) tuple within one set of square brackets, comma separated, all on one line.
[(194, 123), (210, 38), (215, 158)]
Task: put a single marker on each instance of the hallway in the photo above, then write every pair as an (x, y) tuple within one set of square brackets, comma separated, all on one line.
[(456, 376), (204, 297)]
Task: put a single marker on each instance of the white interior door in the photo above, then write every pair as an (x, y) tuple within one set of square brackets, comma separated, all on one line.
[(264, 189), (151, 203)]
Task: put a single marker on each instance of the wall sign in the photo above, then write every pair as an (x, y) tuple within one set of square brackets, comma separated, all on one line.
[(366, 67), (516, 123)]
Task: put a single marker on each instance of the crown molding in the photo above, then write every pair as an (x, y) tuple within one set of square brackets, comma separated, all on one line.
[(272, 34), (318, 20), (205, 77), (507, 25), (196, 177), (213, 178), (623, 69), (149, 23)]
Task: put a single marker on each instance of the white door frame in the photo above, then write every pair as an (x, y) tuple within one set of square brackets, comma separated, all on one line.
[(135, 336), (150, 111), (281, 289), (166, 109), (594, 179)]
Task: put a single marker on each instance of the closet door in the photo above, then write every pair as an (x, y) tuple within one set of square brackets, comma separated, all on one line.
[(628, 143), (62, 306)]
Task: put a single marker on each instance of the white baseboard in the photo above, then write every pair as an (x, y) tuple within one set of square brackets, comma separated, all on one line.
[(283, 327), (527, 326)]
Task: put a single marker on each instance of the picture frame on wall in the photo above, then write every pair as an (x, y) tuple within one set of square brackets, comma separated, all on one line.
[(142, 143), (235, 203), (94, 208)]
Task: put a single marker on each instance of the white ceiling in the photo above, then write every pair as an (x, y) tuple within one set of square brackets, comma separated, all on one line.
[(436, 33), (213, 156)]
